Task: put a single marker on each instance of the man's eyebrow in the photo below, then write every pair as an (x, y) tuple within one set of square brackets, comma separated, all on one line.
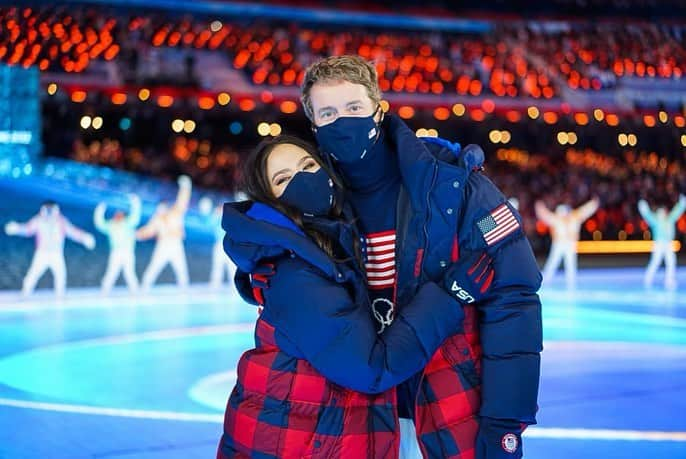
[(279, 172), (352, 102)]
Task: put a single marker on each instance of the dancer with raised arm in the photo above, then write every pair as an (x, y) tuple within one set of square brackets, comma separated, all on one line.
[(121, 233), (50, 228), (167, 225)]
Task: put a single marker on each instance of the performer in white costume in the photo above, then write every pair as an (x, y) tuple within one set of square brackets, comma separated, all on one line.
[(167, 225), (221, 263), (662, 227), (121, 232), (49, 228), (565, 224)]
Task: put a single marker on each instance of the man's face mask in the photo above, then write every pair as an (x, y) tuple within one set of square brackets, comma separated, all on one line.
[(349, 138), (312, 193)]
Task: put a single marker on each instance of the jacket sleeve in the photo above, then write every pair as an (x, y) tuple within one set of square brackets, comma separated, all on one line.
[(510, 316), (339, 338)]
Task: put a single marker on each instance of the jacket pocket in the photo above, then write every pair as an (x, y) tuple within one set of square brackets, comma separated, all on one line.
[(464, 359)]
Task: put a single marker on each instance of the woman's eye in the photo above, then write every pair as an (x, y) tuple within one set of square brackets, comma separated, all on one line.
[(355, 108), (281, 180), (309, 165), (326, 115)]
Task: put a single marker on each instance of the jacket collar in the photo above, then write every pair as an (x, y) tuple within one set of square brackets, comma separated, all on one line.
[(256, 232), (419, 158)]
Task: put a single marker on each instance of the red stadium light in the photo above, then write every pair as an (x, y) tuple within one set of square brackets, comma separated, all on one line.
[(488, 105), (118, 98), (247, 105), (581, 119), (406, 112), (550, 117), (475, 88), (513, 116), (441, 113), (165, 101), (611, 119), (266, 97), (477, 115), (78, 96), (288, 106), (205, 102), (591, 225)]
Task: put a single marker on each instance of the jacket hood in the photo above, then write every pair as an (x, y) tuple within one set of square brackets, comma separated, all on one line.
[(256, 232)]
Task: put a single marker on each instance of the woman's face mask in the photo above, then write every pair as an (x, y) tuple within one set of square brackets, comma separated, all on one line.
[(310, 192), (299, 181)]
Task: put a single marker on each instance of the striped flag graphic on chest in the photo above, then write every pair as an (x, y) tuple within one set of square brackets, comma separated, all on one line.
[(380, 263), (497, 225)]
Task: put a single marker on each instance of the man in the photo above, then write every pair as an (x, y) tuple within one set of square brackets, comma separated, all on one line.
[(221, 264), (50, 229), (565, 224), (167, 224), (121, 232), (421, 205), (662, 226)]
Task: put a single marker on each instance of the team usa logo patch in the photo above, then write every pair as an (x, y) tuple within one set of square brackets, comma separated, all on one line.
[(509, 442), (497, 225)]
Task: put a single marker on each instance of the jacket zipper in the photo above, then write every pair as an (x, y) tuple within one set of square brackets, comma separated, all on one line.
[(426, 241), (428, 217)]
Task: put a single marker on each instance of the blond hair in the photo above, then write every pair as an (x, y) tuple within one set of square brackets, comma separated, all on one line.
[(349, 68)]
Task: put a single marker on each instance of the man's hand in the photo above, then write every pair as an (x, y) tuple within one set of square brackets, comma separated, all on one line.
[(470, 277), (89, 241), (498, 439), (11, 228), (184, 181)]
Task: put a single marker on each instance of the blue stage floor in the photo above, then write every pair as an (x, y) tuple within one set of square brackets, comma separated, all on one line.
[(148, 376)]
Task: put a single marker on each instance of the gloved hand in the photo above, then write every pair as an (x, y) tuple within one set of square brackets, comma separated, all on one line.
[(470, 277), (259, 277), (498, 439), (259, 280)]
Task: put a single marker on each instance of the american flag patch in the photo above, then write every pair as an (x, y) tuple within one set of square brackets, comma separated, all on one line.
[(380, 263), (497, 225)]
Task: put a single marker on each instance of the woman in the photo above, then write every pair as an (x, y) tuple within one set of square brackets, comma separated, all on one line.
[(319, 382)]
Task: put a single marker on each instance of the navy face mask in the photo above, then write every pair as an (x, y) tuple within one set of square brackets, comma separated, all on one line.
[(349, 138), (312, 193)]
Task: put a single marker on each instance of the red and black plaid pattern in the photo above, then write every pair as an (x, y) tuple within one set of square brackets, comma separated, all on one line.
[(282, 407), (449, 396)]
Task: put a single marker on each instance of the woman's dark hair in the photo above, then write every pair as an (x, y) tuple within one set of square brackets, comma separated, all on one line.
[(255, 183)]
